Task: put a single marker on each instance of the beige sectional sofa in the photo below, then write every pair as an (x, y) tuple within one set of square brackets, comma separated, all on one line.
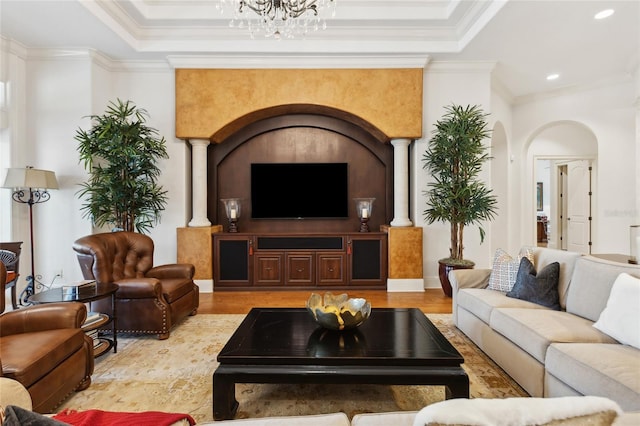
[(553, 353)]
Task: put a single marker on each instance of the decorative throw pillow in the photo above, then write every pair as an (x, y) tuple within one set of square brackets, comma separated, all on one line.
[(505, 269), (620, 319), (540, 288)]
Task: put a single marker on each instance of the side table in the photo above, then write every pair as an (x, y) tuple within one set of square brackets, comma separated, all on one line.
[(101, 291)]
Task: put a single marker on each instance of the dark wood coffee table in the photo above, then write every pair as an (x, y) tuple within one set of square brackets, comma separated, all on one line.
[(285, 345)]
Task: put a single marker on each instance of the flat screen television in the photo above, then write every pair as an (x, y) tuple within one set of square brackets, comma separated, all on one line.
[(299, 190)]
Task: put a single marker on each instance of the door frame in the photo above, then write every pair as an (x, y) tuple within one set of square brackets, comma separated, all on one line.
[(554, 240)]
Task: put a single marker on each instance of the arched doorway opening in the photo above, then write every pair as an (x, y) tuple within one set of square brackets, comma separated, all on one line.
[(563, 165)]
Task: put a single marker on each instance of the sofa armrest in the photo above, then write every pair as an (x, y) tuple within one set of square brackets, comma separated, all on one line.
[(176, 270), (469, 278), (466, 278), (50, 316), (139, 288)]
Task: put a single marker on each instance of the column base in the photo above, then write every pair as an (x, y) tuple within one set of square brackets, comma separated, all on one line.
[(396, 285), (401, 222), (199, 223)]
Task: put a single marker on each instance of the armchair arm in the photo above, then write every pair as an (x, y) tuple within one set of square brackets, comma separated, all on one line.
[(176, 270), (49, 316), (139, 288)]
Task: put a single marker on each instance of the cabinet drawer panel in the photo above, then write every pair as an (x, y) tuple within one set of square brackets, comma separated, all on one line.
[(268, 269), (331, 269), (300, 269)]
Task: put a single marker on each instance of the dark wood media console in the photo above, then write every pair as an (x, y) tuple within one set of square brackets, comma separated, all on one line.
[(322, 261)]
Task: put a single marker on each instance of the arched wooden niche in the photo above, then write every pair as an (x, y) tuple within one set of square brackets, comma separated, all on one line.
[(300, 134)]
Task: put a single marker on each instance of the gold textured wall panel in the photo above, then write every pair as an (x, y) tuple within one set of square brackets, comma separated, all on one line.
[(405, 252), (195, 246), (209, 99)]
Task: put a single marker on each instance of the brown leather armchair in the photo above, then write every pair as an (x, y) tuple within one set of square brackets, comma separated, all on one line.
[(150, 299), (44, 348)]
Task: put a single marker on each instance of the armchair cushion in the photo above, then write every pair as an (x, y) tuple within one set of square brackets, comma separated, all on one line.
[(26, 357)]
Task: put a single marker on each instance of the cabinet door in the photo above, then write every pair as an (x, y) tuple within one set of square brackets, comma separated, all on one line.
[(231, 261), (331, 269), (268, 269), (368, 264), (299, 269)]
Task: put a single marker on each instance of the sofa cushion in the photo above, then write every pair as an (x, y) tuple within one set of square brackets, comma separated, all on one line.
[(591, 285), (571, 410), (481, 302), (598, 369), (543, 256), (534, 332), (332, 419), (620, 319), (392, 418), (540, 287), (26, 357), (504, 269)]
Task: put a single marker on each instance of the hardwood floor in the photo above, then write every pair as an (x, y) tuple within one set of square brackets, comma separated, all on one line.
[(240, 302)]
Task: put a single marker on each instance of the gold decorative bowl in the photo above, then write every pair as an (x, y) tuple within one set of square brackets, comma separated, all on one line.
[(338, 312)]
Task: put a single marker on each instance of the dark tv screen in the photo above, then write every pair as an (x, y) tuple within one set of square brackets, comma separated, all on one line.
[(299, 190)]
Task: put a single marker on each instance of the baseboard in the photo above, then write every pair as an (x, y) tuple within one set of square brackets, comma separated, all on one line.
[(205, 286), (404, 284)]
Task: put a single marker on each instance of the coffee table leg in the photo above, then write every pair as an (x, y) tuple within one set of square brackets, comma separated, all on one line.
[(224, 396), (458, 388)]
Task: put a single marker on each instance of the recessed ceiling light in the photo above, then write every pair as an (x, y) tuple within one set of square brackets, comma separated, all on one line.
[(603, 14), (553, 77)]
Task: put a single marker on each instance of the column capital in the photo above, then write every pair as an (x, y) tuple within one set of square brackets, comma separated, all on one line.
[(199, 142), (401, 142)]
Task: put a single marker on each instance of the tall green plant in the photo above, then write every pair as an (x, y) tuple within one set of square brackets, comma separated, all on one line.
[(454, 157), (121, 153)]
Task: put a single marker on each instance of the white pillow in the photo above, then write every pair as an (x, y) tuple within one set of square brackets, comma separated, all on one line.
[(505, 268), (620, 319)]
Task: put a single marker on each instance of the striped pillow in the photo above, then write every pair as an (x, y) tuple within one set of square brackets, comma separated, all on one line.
[(505, 269)]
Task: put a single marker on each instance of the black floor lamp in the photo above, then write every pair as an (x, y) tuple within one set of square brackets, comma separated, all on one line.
[(30, 186)]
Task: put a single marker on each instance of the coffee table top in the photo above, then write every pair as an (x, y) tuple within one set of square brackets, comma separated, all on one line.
[(289, 336), (55, 295)]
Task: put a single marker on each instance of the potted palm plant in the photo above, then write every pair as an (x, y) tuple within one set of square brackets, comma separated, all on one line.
[(121, 154), (454, 158)]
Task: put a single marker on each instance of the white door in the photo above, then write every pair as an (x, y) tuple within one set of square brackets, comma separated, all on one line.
[(578, 201)]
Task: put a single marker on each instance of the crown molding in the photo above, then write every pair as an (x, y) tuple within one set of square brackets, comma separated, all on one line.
[(450, 67), (298, 61), (13, 47)]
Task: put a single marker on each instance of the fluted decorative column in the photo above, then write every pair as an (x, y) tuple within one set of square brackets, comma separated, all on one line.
[(401, 182), (199, 182)]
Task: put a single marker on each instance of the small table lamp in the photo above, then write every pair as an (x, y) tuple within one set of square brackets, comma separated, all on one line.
[(232, 208), (30, 186), (364, 209)]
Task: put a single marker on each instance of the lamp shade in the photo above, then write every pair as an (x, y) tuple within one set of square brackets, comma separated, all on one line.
[(30, 178)]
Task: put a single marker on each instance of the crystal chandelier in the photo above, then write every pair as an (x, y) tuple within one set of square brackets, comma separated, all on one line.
[(280, 18)]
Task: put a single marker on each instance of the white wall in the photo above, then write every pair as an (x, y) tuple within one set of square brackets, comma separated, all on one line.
[(444, 84), (608, 113), (154, 90), (62, 91)]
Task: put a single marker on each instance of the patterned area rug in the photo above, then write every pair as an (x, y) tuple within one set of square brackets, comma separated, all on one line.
[(175, 375)]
